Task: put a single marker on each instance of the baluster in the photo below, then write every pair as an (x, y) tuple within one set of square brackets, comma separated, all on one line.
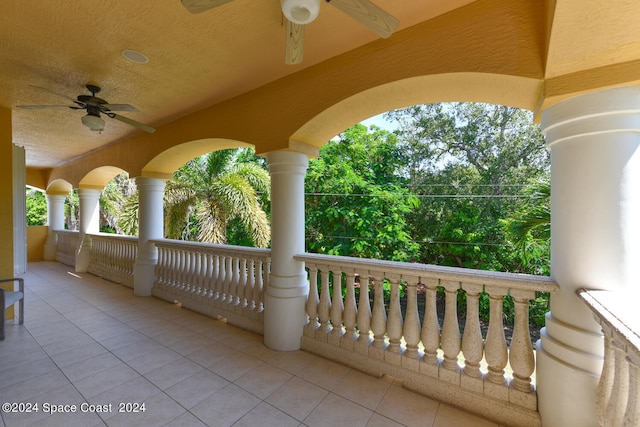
[(450, 328), (160, 267), (619, 393), (242, 283), (411, 329), (325, 303), (312, 303), (496, 344), (207, 280), (337, 307), (521, 352), (234, 281), (605, 385), (174, 271), (430, 334), (364, 312), (379, 316), (394, 322), (216, 278), (222, 279), (195, 274), (251, 283), (632, 414), (263, 277), (472, 346), (350, 311)]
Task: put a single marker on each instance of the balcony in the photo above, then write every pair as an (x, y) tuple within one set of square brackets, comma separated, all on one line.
[(90, 341), (356, 317)]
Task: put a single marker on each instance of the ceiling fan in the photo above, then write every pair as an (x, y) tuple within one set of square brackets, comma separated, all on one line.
[(94, 107), (301, 12)]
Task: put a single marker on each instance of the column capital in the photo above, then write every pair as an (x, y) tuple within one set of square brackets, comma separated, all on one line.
[(609, 111), (292, 162)]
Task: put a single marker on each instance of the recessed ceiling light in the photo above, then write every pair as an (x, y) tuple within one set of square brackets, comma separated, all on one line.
[(135, 56)]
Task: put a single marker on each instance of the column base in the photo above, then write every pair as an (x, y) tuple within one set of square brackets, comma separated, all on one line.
[(144, 277), (284, 312), (566, 376)]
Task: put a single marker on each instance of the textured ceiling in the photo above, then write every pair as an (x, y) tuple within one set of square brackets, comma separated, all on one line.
[(194, 60)]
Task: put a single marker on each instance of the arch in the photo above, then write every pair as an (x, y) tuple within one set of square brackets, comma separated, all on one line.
[(166, 163), (98, 178), (60, 187), (459, 87)]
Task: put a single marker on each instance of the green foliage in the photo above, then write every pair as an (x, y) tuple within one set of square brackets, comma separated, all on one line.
[(216, 198), (36, 208), (471, 165), (356, 203)]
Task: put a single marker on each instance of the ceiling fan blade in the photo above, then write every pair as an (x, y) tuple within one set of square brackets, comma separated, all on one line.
[(369, 15), (42, 107), (55, 93), (119, 107), (294, 44), (199, 6), (133, 123)]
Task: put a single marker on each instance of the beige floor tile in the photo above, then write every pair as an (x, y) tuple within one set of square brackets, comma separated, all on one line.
[(235, 366), (173, 372), (104, 380), (336, 411), (265, 415), (186, 420), (153, 360), (407, 407), (263, 380), (378, 420), (226, 406), (79, 354), (26, 371), (91, 366), (297, 398), (448, 416), (324, 373), (193, 390), (138, 390), (159, 410), (293, 361), (362, 389)]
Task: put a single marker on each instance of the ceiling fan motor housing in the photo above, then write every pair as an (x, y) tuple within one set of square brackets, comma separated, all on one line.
[(300, 11)]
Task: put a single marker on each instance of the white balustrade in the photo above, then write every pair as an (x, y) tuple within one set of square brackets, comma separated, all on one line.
[(618, 396), (67, 246), (221, 281), (431, 356), (113, 257)]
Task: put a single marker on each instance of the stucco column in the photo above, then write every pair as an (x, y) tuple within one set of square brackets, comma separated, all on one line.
[(89, 224), (595, 240), (286, 293), (55, 221), (150, 227)]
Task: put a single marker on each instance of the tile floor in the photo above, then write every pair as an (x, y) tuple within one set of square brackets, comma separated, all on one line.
[(87, 341)]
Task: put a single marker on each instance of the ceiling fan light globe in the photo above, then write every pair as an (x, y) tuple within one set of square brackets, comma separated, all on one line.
[(300, 11), (95, 123)]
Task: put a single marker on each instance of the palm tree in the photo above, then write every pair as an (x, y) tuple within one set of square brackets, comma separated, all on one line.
[(211, 193)]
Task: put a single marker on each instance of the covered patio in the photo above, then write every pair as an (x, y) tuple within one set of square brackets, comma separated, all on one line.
[(90, 341), (215, 80)]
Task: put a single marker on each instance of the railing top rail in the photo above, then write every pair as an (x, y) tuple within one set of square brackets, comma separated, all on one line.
[(67, 231), (200, 246), (618, 310), (113, 236), (428, 271)]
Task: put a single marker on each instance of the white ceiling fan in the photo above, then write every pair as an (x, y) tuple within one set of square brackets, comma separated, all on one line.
[(301, 12), (95, 107)]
